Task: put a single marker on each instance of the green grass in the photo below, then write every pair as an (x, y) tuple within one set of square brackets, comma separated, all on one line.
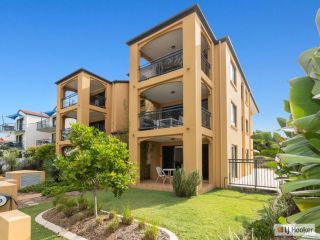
[(39, 232), (208, 216)]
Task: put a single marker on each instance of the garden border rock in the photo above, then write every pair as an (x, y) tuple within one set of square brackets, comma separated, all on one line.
[(72, 236)]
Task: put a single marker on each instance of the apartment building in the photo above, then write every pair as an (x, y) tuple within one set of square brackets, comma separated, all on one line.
[(22, 132), (190, 105), (187, 103), (87, 98)]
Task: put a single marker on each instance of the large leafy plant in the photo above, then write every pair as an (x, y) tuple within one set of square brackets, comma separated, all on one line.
[(97, 161), (299, 165)]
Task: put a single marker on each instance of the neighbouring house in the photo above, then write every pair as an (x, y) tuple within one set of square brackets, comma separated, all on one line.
[(187, 103), (47, 125), (22, 132)]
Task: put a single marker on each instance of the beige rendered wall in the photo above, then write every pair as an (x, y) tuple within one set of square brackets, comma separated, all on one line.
[(11, 190), (15, 225), (120, 107)]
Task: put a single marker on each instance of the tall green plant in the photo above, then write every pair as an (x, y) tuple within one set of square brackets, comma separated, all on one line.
[(299, 166), (10, 157), (98, 160)]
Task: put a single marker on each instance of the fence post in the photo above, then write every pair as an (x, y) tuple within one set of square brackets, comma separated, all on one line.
[(255, 163)]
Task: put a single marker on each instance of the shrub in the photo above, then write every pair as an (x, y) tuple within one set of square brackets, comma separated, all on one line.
[(59, 207), (281, 206), (10, 157), (112, 214), (185, 185), (142, 223), (69, 207), (59, 199), (100, 219), (151, 232), (127, 217), (113, 225), (83, 202)]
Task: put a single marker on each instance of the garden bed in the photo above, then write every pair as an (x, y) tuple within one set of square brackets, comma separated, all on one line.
[(90, 228)]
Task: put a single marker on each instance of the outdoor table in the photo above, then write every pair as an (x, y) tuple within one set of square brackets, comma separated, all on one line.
[(170, 171)]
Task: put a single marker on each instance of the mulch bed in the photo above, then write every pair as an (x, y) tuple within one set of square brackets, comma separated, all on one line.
[(89, 228)]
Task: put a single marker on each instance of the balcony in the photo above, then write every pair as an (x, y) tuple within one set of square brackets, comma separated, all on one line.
[(7, 127), (44, 141), (205, 65), (18, 145), (46, 126), (70, 100), (168, 63), (20, 128), (163, 118), (98, 100), (169, 118), (65, 134), (205, 118)]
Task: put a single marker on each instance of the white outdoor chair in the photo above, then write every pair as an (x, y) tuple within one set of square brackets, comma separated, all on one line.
[(161, 174)]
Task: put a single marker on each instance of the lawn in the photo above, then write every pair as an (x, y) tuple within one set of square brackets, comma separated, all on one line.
[(39, 232), (208, 216)]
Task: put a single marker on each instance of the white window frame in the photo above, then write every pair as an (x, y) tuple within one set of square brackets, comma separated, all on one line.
[(233, 73), (233, 112)]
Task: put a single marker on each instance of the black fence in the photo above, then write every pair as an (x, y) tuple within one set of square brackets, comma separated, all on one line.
[(205, 65), (168, 63), (252, 173)]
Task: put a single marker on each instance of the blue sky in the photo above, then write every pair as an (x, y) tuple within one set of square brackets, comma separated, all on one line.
[(42, 41)]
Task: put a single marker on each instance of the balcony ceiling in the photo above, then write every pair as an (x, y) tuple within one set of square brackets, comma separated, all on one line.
[(169, 92), (96, 87), (163, 45), (96, 116)]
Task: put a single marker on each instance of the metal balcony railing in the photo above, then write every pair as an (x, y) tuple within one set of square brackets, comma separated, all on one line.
[(163, 118), (205, 118), (43, 141), (18, 145), (98, 100), (168, 63), (205, 65), (70, 100), (45, 124), (65, 134), (166, 118), (7, 127), (20, 128)]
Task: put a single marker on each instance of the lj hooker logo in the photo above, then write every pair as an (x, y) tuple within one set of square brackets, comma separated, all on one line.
[(293, 229)]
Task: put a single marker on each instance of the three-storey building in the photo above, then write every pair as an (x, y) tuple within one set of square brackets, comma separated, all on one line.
[(190, 105)]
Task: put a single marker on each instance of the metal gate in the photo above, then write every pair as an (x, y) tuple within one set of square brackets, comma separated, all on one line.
[(252, 173)]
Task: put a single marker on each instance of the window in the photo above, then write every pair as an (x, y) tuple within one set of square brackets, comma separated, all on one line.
[(233, 115), (247, 154), (247, 126), (241, 91), (232, 73), (234, 156), (247, 98)]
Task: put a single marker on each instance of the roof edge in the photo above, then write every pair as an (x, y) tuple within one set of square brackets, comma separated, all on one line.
[(193, 9), (79, 71)]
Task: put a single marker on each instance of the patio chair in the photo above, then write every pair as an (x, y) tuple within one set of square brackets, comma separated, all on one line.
[(161, 174)]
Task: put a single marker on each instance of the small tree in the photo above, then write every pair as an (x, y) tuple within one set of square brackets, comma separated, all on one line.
[(98, 160), (10, 157)]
